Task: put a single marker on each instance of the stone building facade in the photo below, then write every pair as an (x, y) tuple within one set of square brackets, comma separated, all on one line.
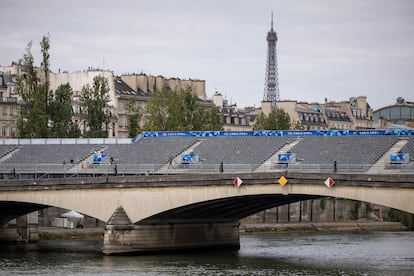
[(234, 119), (122, 89), (352, 114), (9, 100), (8, 106)]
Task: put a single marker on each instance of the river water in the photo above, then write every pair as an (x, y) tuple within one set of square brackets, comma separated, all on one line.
[(366, 253)]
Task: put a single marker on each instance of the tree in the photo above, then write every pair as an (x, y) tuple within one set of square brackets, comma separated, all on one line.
[(157, 111), (298, 126), (33, 119), (60, 111), (277, 120), (134, 117), (45, 64), (179, 110), (94, 102)]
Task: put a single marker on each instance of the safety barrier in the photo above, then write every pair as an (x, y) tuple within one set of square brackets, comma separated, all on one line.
[(39, 171)]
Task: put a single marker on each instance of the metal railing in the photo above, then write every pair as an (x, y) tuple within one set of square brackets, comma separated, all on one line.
[(41, 171)]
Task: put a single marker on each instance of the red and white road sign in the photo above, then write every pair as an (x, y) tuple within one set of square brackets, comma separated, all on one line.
[(237, 181), (329, 182)]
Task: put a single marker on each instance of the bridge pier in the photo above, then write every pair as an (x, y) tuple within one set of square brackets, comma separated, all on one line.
[(21, 229), (147, 238)]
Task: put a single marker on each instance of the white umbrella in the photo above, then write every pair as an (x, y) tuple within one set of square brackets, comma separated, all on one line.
[(72, 214)]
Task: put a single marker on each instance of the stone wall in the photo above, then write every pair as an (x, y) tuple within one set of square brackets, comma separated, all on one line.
[(320, 210)]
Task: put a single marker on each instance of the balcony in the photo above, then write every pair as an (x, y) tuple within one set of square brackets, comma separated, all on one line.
[(8, 100)]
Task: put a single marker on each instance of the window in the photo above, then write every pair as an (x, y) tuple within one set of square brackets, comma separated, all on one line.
[(405, 112), (11, 110), (4, 110), (3, 130), (395, 112)]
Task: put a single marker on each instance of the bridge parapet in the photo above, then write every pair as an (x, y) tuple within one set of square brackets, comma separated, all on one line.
[(402, 181)]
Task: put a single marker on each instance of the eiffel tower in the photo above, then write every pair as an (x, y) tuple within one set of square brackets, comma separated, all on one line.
[(271, 89)]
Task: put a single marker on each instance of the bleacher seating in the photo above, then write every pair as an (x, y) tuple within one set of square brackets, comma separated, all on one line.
[(409, 147), (343, 149), (51, 154), (6, 149), (155, 151), (151, 154), (239, 150)]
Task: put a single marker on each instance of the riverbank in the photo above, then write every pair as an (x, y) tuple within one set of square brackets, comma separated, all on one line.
[(53, 233), (58, 233), (324, 226)]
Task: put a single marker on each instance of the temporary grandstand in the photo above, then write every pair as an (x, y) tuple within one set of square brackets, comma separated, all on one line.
[(217, 152)]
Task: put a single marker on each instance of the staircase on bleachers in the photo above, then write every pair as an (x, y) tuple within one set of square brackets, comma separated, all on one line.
[(269, 164), (380, 165)]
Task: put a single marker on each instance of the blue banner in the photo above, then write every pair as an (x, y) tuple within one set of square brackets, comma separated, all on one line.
[(283, 133), (398, 158), (99, 158), (189, 158), (286, 158)]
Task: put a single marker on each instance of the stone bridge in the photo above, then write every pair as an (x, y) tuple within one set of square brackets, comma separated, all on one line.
[(173, 212)]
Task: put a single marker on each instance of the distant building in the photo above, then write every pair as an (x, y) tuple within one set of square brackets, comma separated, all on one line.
[(148, 84), (398, 115), (77, 80), (9, 100), (234, 119), (353, 114), (122, 89), (125, 96)]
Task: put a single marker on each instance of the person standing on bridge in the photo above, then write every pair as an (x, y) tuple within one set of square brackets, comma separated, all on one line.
[(170, 161)]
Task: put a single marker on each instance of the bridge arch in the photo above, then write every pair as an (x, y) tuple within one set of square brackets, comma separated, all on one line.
[(155, 197)]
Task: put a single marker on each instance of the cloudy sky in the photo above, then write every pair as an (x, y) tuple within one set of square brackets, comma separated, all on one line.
[(330, 49)]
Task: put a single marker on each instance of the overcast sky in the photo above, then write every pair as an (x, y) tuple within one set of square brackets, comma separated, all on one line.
[(333, 49)]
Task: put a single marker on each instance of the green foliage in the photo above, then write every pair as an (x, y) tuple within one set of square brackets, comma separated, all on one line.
[(405, 218), (322, 203), (94, 101), (368, 208), (277, 120), (60, 110), (134, 117), (33, 118), (179, 110), (43, 114), (355, 211), (157, 111), (298, 126)]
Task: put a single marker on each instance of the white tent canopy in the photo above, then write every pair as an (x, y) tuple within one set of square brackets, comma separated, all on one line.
[(72, 214)]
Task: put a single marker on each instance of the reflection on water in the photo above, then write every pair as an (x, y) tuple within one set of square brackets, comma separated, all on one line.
[(374, 253)]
